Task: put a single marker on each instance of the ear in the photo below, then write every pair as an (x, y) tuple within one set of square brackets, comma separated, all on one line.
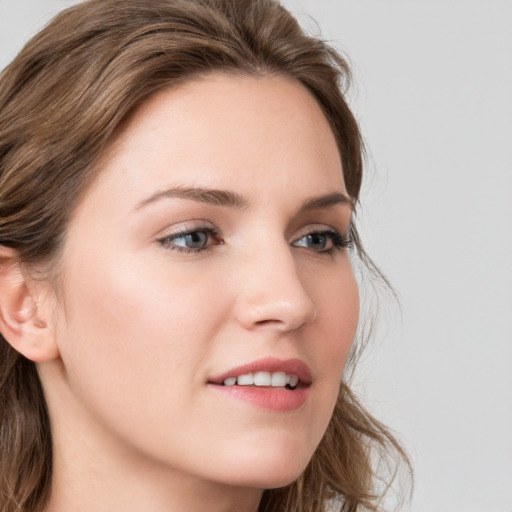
[(24, 327)]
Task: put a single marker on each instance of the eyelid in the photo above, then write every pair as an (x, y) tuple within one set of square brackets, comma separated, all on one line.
[(183, 228), (316, 228)]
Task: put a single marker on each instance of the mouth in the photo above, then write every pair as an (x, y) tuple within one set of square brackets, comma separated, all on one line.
[(267, 372), (269, 383), (280, 380)]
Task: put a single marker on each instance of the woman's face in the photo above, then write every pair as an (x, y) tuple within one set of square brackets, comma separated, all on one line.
[(210, 247)]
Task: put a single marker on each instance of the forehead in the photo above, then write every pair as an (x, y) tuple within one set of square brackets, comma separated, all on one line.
[(226, 131)]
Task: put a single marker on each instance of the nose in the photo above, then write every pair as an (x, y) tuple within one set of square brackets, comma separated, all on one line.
[(272, 295)]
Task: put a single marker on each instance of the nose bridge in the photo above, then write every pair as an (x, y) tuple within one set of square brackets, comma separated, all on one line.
[(273, 294)]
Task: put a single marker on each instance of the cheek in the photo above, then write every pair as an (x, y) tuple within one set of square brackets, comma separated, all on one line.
[(328, 340), (337, 300), (132, 298), (134, 328)]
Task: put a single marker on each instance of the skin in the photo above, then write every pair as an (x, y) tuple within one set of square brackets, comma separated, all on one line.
[(139, 326)]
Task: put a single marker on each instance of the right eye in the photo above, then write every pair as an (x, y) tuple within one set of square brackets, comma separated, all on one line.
[(191, 240)]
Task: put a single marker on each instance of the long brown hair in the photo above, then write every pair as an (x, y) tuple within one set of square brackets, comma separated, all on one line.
[(61, 102)]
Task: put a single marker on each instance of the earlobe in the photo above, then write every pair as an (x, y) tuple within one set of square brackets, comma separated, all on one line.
[(21, 323)]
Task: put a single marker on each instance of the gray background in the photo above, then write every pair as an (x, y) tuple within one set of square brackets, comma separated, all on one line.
[(434, 98)]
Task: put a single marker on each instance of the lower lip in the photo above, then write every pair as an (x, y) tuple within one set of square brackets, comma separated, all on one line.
[(266, 398)]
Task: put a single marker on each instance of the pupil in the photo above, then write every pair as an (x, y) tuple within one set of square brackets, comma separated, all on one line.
[(196, 239), (317, 241)]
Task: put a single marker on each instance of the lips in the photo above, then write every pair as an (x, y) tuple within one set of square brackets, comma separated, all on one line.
[(260, 394)]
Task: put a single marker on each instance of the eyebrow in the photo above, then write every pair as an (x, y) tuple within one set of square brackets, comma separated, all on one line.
[(326, 201), (232, 199), (199, 194)]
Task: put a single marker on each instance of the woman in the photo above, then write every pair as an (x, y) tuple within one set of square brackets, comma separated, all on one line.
[(178, 181)]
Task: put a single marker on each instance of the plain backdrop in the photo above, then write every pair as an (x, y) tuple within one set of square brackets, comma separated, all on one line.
[(434, 99)]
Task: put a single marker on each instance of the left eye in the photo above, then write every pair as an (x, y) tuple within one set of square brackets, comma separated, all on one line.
[(191, 241), (326, 241), (194, 240), (316, 241)]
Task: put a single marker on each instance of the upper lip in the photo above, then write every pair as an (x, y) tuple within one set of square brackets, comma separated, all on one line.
[(268, 364)]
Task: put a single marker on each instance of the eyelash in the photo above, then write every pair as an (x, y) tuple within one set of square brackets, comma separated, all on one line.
[(338, 240), (168, 240)]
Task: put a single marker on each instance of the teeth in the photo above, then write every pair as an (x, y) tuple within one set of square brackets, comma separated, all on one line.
[(279, 379), (276, 379), (262, 379), (245, 380), (230, 381), (294, 380)]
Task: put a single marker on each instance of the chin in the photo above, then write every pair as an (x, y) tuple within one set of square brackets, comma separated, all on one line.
[(268, 469), (266, 479), (278, 480)]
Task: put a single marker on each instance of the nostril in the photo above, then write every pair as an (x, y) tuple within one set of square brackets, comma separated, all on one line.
[(264, 323)]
